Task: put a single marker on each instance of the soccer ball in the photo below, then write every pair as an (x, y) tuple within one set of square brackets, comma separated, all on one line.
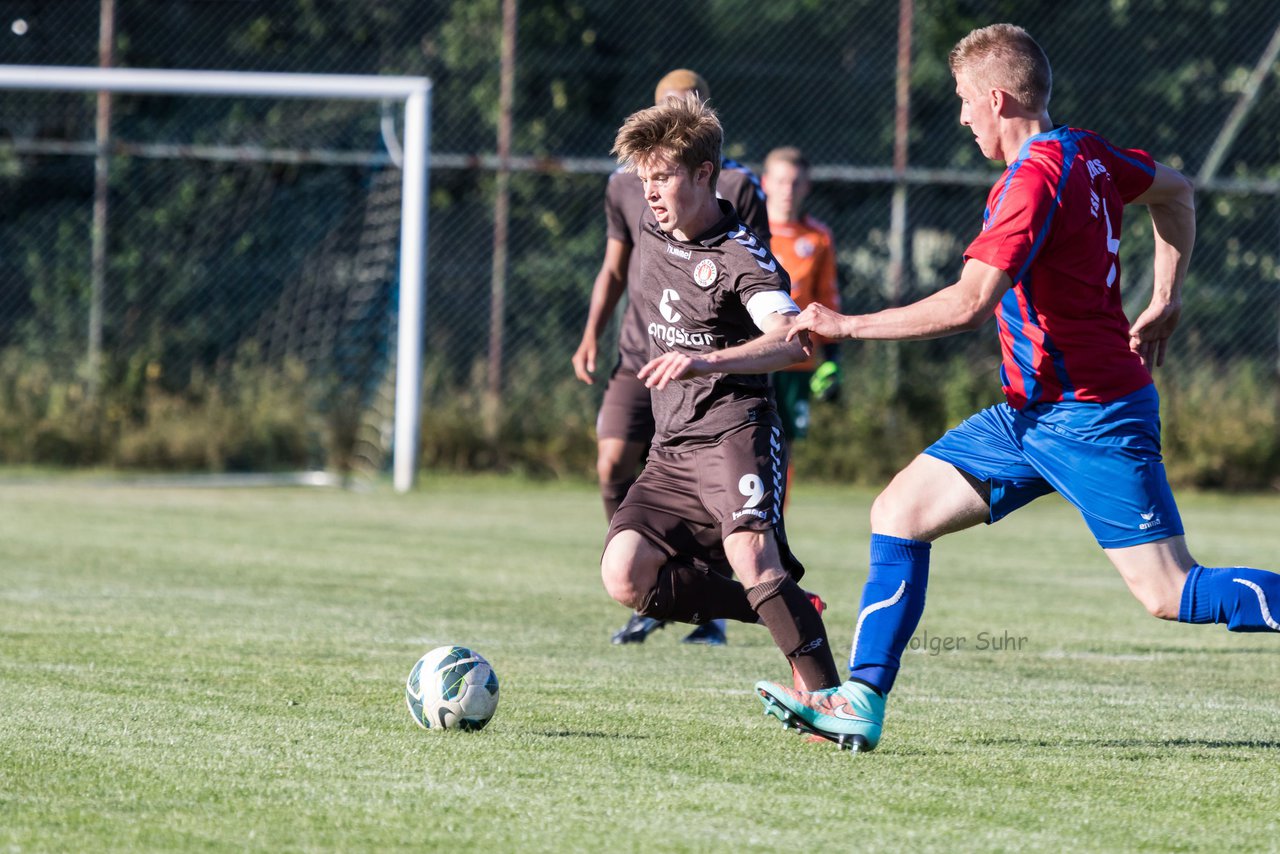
[(452, 687)]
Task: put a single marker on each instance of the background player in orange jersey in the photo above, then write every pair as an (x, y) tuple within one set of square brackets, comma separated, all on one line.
[(804, 247)]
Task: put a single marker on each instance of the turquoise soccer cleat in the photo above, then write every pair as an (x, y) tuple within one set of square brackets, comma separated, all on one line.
[(851, 715)]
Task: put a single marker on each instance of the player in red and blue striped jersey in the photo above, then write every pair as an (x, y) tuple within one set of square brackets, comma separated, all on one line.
[(1063, 331), (1082, 416)]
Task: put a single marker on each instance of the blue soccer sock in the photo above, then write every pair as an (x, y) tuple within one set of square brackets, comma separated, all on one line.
[(1239, 596), (892, 602)]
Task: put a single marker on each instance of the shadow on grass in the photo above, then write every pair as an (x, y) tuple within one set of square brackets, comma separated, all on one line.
[(568, 733), (1226, 650), (1151, 653), (1213, 744)]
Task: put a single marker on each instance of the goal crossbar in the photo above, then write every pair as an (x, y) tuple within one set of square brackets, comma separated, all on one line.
[(415, 92), (356, 87)]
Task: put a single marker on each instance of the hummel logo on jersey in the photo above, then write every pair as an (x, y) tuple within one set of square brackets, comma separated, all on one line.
[(764, 260), (672, 249), (664, 305)]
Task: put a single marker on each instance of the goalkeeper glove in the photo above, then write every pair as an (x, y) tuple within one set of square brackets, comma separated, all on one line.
[(825, 382)]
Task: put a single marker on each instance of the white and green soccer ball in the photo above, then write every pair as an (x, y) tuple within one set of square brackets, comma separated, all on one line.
[(452, 687)]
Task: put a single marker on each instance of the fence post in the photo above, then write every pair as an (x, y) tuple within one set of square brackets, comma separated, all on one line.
[(898, 210), (501, 220), (101, 189)]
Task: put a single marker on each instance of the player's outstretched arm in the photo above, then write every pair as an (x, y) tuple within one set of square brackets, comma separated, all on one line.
[(1171, 202), (608, 288), (772, 351), (960, 307)]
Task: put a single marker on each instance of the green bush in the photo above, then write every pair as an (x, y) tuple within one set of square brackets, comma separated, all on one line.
[(539, 428), (254, 419), (895, 401), (1222, 426), (247, 417), (1221, 423), (44, 419)]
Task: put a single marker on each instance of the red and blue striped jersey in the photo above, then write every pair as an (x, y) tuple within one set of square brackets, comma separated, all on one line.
[(1052, 222)]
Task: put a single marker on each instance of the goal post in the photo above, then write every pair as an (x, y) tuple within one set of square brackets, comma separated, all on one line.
[(413, 92)]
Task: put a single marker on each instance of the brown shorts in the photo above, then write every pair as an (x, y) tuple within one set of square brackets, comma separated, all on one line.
[(686, 503), (627, 410)]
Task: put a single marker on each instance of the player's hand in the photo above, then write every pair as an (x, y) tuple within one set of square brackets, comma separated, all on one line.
[(1150, 333), (584, 361), (819, 319), (671, 367)]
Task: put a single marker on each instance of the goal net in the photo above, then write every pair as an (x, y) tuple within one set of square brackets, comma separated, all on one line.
[(212, 271)]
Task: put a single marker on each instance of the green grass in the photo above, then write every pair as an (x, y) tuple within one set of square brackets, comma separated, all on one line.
[(223, 669)]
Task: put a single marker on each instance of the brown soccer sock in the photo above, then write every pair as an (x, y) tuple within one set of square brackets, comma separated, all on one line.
[(688, 595), (797, 629)]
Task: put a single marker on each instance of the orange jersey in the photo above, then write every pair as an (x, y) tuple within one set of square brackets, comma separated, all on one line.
[(807, 253)]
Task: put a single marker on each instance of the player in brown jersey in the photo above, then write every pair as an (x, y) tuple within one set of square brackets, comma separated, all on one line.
[(624, 426), (717, 308), (804, 247)]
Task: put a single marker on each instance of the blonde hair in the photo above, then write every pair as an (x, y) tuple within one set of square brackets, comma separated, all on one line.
[(685, 129), (1004, 56), (787, 154)]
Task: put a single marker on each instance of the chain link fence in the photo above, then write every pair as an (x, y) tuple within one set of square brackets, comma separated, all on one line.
[(247, 250)]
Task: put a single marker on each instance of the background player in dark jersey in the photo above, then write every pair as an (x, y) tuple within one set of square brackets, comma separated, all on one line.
[(624, 426), (717, 309), (1082, 416)]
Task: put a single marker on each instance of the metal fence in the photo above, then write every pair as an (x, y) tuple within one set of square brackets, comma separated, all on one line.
[(235, 226)]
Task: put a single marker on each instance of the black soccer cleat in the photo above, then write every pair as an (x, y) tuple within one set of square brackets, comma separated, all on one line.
[(637, 629), (708, 634)]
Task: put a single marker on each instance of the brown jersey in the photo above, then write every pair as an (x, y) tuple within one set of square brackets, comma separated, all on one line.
[(624, 206), (692, 297)]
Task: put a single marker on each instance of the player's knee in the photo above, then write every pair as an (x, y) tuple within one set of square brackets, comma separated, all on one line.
[(1160, 602), (890, 514), (1155, 574), (609, 468), (1161, 607), (616, 580), (616, 463), (621, 573)]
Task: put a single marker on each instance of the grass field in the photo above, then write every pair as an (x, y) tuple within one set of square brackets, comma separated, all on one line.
[(209, 669)]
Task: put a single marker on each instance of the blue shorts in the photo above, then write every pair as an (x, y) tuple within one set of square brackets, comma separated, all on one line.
[(1104, 458)]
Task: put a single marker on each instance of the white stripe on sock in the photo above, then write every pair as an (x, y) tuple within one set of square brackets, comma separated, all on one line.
[(871, 609), (1262, 603)]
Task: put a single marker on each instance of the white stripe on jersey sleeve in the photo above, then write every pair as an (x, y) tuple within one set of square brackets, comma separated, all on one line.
[(766, 303)]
